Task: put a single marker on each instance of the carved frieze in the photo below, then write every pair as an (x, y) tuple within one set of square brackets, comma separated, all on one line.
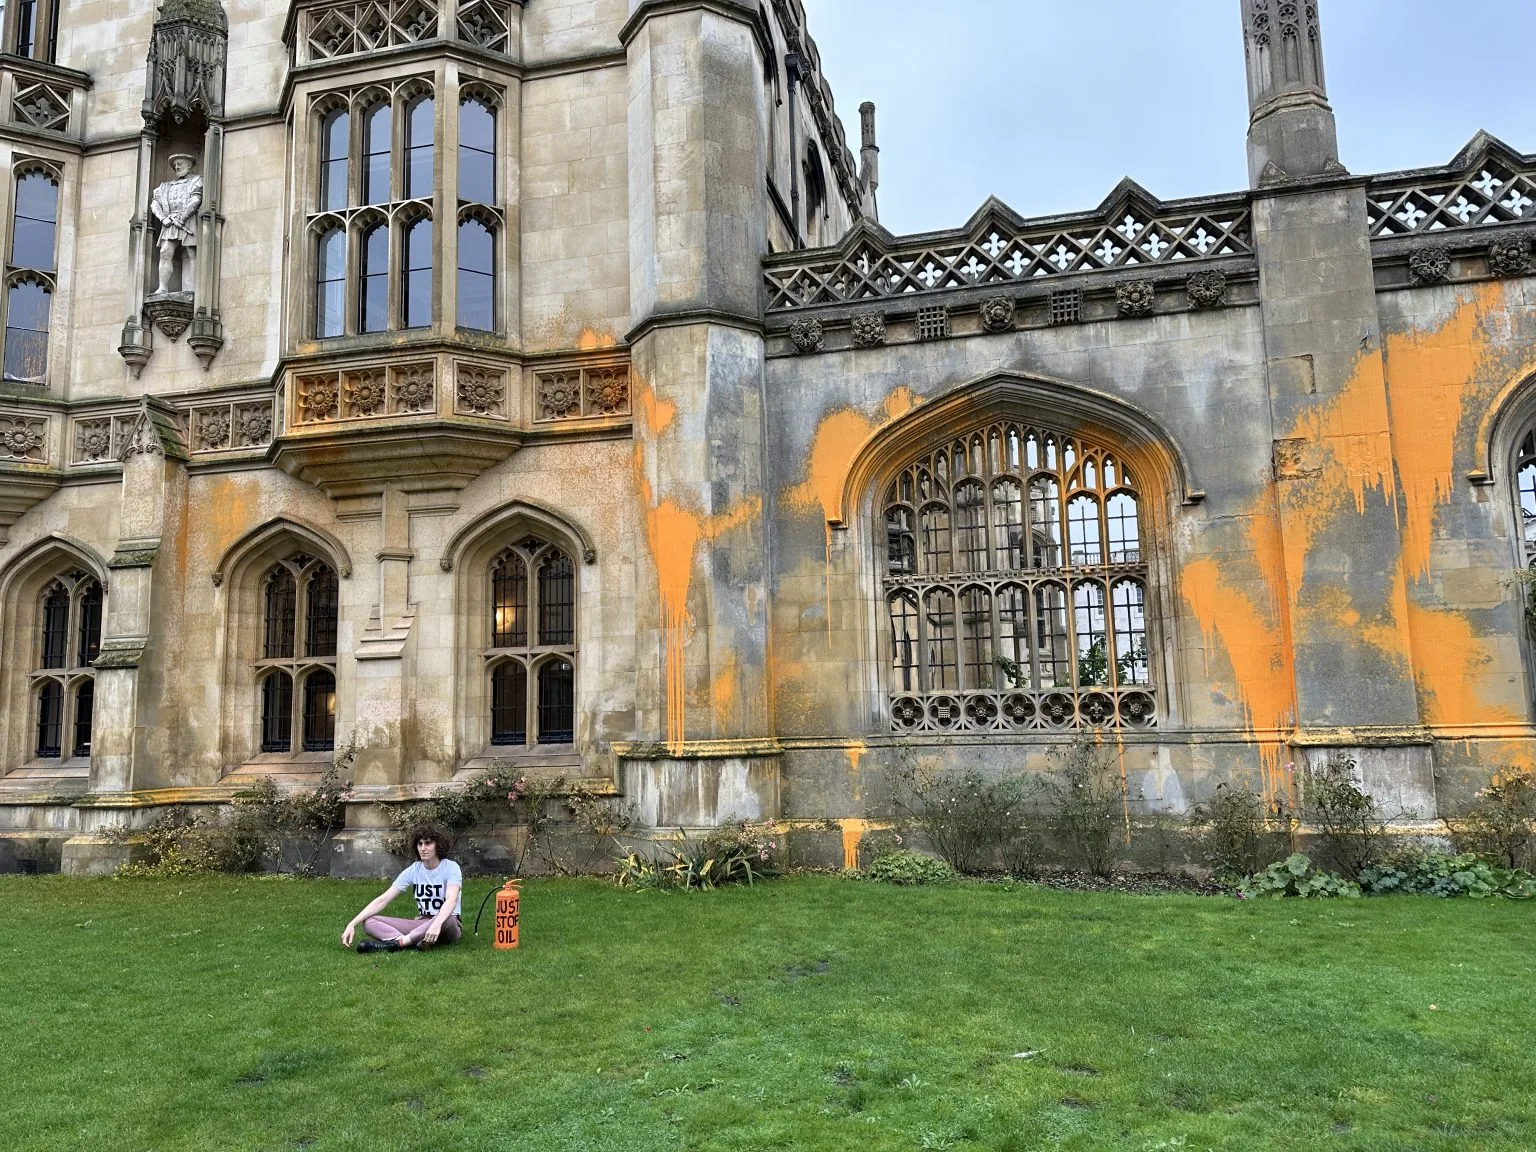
[(318, 398), (997, 313), (559, 394), (415, 388), (868, 330), (1207, 289), (1430, 265), (576, 391), (1510, 256), (606, 392), (481, 391), (212, 430), (366, 392), (93, 441), (1135, 297), (806, 336), (252, 425), (24, 438)]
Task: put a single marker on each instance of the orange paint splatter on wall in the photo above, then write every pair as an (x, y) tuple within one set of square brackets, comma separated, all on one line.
[(722, 695), (1453, 669), (853, 831), (1261, 659)]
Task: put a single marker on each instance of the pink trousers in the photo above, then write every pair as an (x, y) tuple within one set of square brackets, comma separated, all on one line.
[(410, 932)]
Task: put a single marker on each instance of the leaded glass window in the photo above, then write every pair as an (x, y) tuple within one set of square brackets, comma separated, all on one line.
[(300, 601), (63, 688), (1016, 585), (532, 629)]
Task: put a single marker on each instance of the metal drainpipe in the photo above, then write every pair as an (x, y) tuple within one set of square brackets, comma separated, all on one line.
[(792, 66)]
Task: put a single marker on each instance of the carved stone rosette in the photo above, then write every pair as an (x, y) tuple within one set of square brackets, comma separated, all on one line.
[(213, 430), (366, 392), (318, 398), (415, 388), (253, 426), (1510, 256), (997, 313), (23, 438), (1135, 297), (93, 441), (806, 336), (559, 394), (1207, 289), (481, 391), (868, 330), (607, 391), (1430, 265)]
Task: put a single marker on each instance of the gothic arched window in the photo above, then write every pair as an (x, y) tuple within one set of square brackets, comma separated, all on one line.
[(335, 144), (373, 308), (416, 285), (419, 149), (330, 283), (377, 149), (477, 152), (300, 606), (477, 276), (1525, 497), (533, 637), (1016, 585), (63, 679)]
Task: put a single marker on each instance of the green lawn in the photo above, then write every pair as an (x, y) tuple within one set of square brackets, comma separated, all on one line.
[(808, 1013)]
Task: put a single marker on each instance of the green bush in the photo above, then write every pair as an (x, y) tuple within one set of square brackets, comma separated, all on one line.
[(1501, 821), (1236, 836), (1442, 874), (909, 868), (1296, 876), (741, 853), (1087, 814), (973, 823), (1350, 826)]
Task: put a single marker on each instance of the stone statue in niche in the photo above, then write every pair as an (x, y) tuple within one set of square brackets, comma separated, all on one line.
[(174, 206)]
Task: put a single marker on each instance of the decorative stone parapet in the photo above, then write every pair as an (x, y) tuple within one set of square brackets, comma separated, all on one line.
[(331, 30)]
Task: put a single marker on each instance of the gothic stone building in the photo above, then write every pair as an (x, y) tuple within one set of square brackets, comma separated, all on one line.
[(532, 379)]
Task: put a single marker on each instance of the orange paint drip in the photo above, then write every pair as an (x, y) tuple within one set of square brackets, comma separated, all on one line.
[(1261, 659), (1452, 677), (853, 831), (855, 754)]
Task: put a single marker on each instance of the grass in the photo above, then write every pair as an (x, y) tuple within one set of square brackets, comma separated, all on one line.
[(809, 1013)]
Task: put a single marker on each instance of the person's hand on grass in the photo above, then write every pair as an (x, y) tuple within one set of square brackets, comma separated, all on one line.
[(346, 936), (429, 938)]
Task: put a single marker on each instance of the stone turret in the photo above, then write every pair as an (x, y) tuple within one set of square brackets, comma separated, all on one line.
[(869, 163), (1291, 134)]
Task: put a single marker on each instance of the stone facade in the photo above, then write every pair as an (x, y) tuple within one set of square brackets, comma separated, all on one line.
[(546, 389)]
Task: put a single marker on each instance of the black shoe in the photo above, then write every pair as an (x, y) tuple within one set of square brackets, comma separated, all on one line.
[(377, 946)]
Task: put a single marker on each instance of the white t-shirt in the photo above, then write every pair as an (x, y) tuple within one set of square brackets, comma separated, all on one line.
[(430, 886)]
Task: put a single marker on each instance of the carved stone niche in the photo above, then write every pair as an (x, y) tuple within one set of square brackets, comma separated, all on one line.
[(176, 232)]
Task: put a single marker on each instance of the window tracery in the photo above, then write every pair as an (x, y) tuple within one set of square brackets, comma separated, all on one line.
[(63, 680), (532, 651), (300, 607), (1015, 586)]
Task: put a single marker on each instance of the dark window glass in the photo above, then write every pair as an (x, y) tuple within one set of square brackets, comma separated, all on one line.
[(509, 704), (417, 308), (55, 628), (939, 610), (331, 284), (477, 153), (900, 542), (557, 702), (374, 314), (509, 599), (376, 144), (281, 607), (477, 277), (50, 719), (276, 713), (557, 599), (85, 703), (26, 30), (53, 31), (904, 641), (320, 614), (418, 149), (26, 332), (319, 712), (334, 130), (89, 646), (37, 215)]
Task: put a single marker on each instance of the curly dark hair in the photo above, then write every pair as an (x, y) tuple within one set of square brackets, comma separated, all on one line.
[(437, 834)]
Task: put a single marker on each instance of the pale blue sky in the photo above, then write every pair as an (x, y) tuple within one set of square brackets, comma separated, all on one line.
[(1048, 103)]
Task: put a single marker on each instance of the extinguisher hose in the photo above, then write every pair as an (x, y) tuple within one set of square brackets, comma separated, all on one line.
[(483, 903)]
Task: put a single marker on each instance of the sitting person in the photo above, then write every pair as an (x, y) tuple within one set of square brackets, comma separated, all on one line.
[(436, 883)]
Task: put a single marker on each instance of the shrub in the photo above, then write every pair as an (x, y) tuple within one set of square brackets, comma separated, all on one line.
[(1351, 827), (909, 868), (1089, 801), (297, 825), (1499, 823), (878, 842), (1236, 835), (971, 822), (1442, 874), (741, 853), (1296, 876)]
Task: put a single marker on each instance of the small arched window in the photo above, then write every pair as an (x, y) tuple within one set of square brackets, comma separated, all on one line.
[(28, 308), (477, 152), (335, 144), (477, 276), (331, 284), (373, 306), (419, 131), (377, 145), (532, 633), (416, 284), (300, 609), (36, 222), (1023, 605)]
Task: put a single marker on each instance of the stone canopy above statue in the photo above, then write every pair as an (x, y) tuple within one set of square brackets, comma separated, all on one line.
[(185, 78)]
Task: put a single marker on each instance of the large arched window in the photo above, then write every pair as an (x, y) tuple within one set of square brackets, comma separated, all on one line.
[(1016, 585), (299, 602), (63, 686), (532, 640)]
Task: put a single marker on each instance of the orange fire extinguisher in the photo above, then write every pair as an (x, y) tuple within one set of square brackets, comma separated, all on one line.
[(508, 898)]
